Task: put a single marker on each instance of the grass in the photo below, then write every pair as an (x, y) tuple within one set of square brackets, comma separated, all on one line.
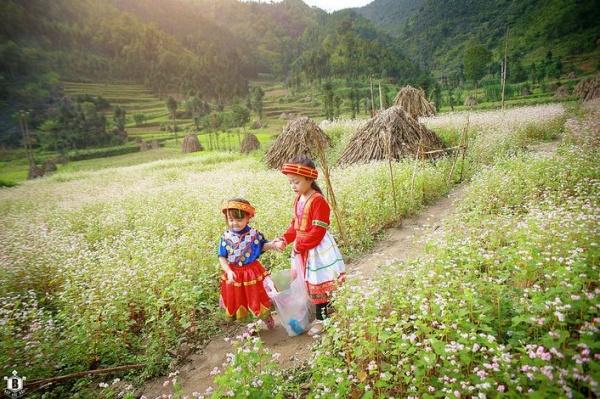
[(124, 269)]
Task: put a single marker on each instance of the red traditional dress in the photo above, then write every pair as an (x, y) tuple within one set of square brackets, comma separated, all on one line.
[(242, 250), (321, 260)]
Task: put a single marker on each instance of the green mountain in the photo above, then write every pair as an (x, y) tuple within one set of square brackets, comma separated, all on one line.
[(436, 33), (210, 48)]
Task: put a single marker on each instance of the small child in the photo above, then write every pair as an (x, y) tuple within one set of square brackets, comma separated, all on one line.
[(314, 248), (243, 280)]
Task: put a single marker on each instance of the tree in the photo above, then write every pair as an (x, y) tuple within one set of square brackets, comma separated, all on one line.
[(354, 98), (437, 96), (328, 100), (119, 119), (197, 108), (476, 60), (172, 107), (256, 100), (337, 102), (139, 118), (241, 115)]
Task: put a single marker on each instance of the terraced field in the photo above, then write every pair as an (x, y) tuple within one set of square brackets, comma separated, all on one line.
[(134, 98)]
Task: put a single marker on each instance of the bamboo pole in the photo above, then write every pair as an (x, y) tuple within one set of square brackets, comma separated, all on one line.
[(36, 383), (393, 186), (330, 192), (388, 150), (372, 98), (449, 149)]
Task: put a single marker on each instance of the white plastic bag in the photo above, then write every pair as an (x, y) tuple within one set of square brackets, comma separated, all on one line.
[(293, 303), (269, 287)]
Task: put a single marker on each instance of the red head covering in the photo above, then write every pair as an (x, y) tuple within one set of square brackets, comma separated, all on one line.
[(242, 206), (299, 170)]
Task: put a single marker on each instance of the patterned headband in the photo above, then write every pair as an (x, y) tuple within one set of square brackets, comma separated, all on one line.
[(242, 206), (300, 170)]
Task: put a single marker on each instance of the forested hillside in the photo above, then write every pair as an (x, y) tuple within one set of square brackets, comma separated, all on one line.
[(436, 36), (185, 47)]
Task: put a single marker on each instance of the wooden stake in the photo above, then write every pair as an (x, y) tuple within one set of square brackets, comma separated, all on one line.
[(464, 140), (412, 183)]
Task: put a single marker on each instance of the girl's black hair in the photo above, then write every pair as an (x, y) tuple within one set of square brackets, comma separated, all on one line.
[(237, 213), (306, 161)]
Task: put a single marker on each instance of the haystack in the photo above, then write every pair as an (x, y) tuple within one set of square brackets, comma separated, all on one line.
[(144, 146), (413, 101), (393, 127), (49, 166), (470, 101), (562, 92), (35, 171), (191, 143), (299, 137), (588, 89), (249, 143)]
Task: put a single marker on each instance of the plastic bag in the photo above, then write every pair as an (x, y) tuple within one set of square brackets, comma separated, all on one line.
[(293, 303)]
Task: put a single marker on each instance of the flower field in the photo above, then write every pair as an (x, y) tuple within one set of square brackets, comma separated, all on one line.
[(118, 266), (505, 305)]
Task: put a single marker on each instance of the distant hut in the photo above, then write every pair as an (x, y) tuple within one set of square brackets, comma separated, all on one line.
[(299, 137), (588, 89), (470, 101), (414, 102), (191, 143), (562, 92), (394, 128), (249, 143)]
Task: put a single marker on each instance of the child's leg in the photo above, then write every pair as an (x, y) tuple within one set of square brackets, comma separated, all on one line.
[(270, 322), (322, 310)]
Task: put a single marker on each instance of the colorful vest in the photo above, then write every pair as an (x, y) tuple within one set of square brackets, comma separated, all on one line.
[(303, 224)]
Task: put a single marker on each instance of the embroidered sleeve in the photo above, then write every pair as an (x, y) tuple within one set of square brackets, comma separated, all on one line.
[(222, 250), (321, 223), (260, 240)]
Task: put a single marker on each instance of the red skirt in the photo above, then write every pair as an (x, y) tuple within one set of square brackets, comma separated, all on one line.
[(247, 294)]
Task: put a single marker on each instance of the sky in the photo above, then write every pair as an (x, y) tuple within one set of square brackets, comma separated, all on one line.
[(331, 5)]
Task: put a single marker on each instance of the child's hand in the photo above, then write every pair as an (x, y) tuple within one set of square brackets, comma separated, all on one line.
[(230, 276), (279, 245)]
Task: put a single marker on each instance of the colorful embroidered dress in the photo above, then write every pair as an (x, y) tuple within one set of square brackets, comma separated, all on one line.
[(321, 260), (247, 294)]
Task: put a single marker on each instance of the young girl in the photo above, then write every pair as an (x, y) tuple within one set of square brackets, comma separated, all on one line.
[(314, 247), (242, 289)]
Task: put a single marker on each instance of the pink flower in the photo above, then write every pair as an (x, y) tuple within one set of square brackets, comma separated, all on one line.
[(501, 388), (456, 394)]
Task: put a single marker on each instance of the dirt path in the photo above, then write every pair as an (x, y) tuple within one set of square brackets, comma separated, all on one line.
[(399, 244)]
